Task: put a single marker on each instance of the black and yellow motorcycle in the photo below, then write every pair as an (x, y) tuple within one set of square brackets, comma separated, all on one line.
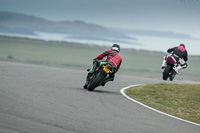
[(100, 73)]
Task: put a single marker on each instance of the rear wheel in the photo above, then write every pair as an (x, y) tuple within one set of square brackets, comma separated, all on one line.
[(93, 84), (173, 73), (166, 72)]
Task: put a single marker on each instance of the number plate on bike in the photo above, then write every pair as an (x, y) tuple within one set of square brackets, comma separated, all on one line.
[(106, 69)]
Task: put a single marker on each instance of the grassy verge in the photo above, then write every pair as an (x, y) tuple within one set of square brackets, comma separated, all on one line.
[(179, 100), (79, 56)]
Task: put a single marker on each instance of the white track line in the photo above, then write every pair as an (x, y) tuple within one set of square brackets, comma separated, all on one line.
[(124, 94)]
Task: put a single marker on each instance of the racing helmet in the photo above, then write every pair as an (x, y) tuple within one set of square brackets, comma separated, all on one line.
[(115, 47), (182, 45)]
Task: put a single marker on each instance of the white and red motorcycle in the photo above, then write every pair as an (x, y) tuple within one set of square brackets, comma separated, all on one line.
[(170, 68)]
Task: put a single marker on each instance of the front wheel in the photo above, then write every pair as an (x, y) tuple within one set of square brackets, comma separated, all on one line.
[(95, 82), (166, 72)]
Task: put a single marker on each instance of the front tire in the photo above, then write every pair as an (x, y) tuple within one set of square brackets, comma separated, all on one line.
[(166, 72), (95, 82)]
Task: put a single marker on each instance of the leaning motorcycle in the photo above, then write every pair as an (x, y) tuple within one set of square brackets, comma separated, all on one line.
[(169, 70), (100, 73)]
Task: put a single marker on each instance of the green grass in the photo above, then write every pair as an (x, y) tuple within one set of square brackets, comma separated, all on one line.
[(55, 54), (180, 100), (79, 56)]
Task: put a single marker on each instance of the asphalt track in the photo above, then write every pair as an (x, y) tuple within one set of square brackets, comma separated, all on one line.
[(35, 99)]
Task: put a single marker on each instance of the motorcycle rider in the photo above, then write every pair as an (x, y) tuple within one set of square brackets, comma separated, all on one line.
[(113, 57), (180, 54)]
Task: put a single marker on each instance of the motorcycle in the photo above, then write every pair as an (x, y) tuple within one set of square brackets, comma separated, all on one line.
[(100, 73), (169, 70)]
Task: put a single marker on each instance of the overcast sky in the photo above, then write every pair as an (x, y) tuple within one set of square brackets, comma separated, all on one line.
[(180, 16)]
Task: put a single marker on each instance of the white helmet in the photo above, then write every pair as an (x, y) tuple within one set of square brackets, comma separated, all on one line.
[(115, 47)]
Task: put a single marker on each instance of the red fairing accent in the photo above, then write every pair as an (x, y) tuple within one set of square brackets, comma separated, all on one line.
[(181, 48), (170, 60)]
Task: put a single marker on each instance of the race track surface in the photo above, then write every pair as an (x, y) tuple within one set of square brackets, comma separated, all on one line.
[(36, 99)]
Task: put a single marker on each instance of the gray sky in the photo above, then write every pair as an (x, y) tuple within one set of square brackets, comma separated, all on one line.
[(180, 16)]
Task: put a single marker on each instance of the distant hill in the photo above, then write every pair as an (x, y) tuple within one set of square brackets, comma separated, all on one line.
[(28, 25), (24, 24)]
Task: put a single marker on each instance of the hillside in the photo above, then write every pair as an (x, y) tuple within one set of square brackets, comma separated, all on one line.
[(11, 22), (24, 24)]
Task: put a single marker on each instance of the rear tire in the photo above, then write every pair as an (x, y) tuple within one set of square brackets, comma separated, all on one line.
[(173, 74), (95, 82), (166, 72)]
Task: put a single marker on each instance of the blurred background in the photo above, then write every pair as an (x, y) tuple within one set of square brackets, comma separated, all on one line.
[(145, 29), (142, 24)]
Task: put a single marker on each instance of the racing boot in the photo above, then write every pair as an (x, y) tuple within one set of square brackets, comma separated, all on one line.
[(164, 62), (94, 68), (178, 68), (85, 86), (86, 83)]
